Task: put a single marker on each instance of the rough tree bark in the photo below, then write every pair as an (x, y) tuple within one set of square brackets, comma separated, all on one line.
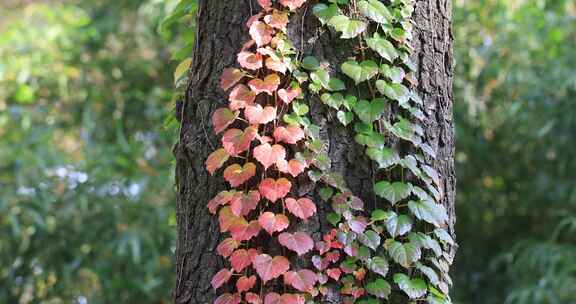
[(221, 33)]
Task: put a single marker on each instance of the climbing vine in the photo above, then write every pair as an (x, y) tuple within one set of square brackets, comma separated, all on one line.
[(396, 251)]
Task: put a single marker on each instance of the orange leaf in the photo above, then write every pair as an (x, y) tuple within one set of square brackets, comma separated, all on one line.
[(273, 222), (222, 118), (242, 258), (276, 65), (287, 95), (216, 159), (242, 231), (334, 273), (221, 198), (258, 115), (290, 135), (268, 85), (253, 298), (261, 33), (274, 298), (268, 155), (265, 4), (292, 4), (245, 283), (269, 268), (274, 189), (228, 299), (298, 242), (277, 20), (237, 141), (302, 280), (236, 175), (302, 208), (240, 97), (227, 219), (221, 278), (230, 77), (227, 246), (241, 204), (249, 60), (294, 167)]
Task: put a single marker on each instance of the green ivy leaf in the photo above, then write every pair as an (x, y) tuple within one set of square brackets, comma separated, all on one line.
[(336, 84), (325, 12), (429, 272), (332, 100), (372, 140), (380, 215), (375, 10), (350, 28), (414, 288), (379, 288), (425, 241), (370, 239), (350, 101), (345, 118), (378, 265), (395, 74), (398, 225), (360, 72), (300, 108), (383, 47), (429, 211), (403, 254), (321, 77), (326, 193), (310, 63), (400, 35), (393, 192), (385, 157), (369, 112), (334, 218), (443, 236), (394, 91)]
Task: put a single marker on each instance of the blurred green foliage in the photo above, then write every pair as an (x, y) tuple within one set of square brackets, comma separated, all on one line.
[(86, 186)]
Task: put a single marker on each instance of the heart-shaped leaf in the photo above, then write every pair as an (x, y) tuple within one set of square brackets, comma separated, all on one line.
[(350, 28), (230, 77), (292, 4), (383, 47), (287, 298), (287, 95), (298, 242), (240, 97), (379, 288), (429, 272), (290, 134), (360, 72), (334, 273), (241, 204), (293, 167), (261, 33), (222, 118), (398, 225), (403, 253), (243, 231), (370, 238), (268, 155), (393, 192), (385, 157), (345, 118), (245, 283), (375, 10), (226, 219), (249, 60), (228, 299), (269, 268), (378, 265), (277, 20), (227, 246), (302, 280), (358, 224), (237, 141), (414, 288), (236, 175), (429, 211), (267, 85), (220, 278), (216, 160), (394, 91), (325, 12), (258, 115), (276, 65), (242, 258), (395, 74), (369, 112), (332, 100), (265, 4), (302, 208), (274, 189), (273, 222), (252, 298)]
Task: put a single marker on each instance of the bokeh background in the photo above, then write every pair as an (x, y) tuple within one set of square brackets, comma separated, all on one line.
[(87, 89)]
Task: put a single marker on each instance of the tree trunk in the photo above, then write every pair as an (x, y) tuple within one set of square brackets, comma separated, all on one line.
[(221, 33)]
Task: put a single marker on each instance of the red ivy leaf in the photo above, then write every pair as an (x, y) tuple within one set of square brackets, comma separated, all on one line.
[(302, 208), (302, 280), (261, 33), (273, 222), (274, 189), (221, 198), (230, 77), (242, 258), (265, 4), (253, 298), (222, 118), (334, 273), (277, 20), (228, 299), (237, 141), (299, 242), (240, 97), (269, 268), (290, 135), (243, 231), (274, 298), (276, 65), (227, 219), (292, 4), (245, 283), (227, 246), (258, 115), (358, 224), (268, 85), (215, 160), (221, 278), (241, 204), (294, 167), (287, 95), (236, 175), (268, 155), (249, 60)]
